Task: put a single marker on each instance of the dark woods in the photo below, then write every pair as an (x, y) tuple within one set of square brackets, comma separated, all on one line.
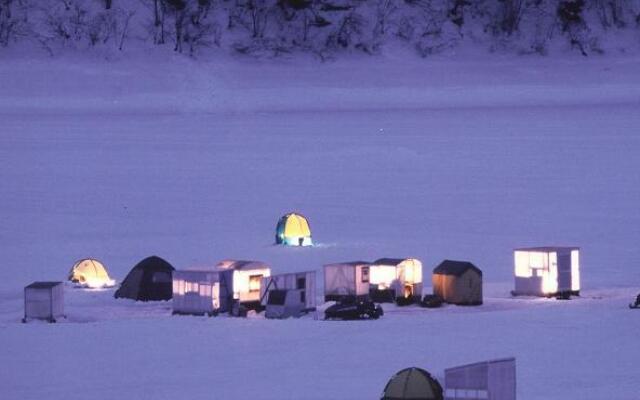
[(321, 27)]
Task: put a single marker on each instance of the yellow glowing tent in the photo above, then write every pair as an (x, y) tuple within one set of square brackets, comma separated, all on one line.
[(293, 230), (90, 273)]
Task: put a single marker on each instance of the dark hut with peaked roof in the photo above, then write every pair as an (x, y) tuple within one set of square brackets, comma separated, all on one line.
[(458, 282)]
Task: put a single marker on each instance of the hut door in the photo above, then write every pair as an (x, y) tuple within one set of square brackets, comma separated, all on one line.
[(301, 283), (300, 241), (564, 272)]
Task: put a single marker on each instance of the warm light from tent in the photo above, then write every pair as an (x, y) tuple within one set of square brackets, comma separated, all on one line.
[(96, 283)]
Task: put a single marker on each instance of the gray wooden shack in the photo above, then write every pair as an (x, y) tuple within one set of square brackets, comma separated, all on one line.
[(487, 380), (44, 300), (458, 282), (346, 280)]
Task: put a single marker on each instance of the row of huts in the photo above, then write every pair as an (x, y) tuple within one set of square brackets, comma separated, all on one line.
[(224, 287)]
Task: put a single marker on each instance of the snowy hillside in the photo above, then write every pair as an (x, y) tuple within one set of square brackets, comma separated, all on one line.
[(196, 161)]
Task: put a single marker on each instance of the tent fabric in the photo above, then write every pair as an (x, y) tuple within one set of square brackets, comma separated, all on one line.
[(149, 280), (293, 230), (412, 383), (91, 273)]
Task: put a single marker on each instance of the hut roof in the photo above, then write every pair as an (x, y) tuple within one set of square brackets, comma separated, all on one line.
[(457, 268)]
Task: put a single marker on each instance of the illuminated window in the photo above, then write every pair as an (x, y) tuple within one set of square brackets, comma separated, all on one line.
[(537, 260), (575, 270), (550, 279), (522, 264), (254, 283)]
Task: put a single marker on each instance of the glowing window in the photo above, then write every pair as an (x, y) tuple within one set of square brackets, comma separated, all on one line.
[(537, 260), (254, 283), (550, 279), (575, 270), (522, 264)]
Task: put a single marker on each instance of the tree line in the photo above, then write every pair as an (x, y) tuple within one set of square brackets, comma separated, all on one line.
[(321, 27)]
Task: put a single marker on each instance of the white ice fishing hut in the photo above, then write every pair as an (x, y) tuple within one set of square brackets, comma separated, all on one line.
[(44, 300), (400, 278), (489, 380), (347, 280), (197, 292), (547, 271), (241, 280), (304, 282)]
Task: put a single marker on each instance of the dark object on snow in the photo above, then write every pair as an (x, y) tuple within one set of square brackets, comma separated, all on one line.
[(412, 383), (431, 301), (406, 301), (149, 280), (238, 310), (566, 295), (351, 310), (636, 304), (458, 282)]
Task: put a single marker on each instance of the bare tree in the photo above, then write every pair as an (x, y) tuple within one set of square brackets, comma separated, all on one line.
[(511, 15)]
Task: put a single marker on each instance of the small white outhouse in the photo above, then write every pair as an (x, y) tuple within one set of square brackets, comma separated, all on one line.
[(44, 300), (197, 292), (346, 280), (305, 282), (240, 281), (487, 380), (547, 271)]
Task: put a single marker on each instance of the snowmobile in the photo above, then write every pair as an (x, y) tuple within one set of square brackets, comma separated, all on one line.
[(431, 301), (351, 310), (636, 304)]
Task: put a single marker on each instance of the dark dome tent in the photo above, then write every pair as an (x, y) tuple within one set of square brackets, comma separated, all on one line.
[(150, 279), (412, 383)]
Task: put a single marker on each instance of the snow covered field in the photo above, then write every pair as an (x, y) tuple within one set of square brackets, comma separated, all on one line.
[(196, 163)]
